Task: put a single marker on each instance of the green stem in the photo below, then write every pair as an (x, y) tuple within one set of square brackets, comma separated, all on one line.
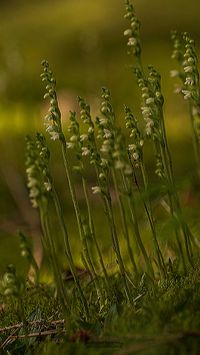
[(124, 222), (134, 221), (93, 234), (177, 211), (195, 140), (116, 247), (76, 208), (149, 213), (52, 254), (68, 251)]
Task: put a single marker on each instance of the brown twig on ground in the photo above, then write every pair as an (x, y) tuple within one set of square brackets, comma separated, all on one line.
[(12, 338), (35, 322), (15, 327)]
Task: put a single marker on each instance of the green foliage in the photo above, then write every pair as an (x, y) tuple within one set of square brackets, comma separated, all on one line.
[(150, 288)]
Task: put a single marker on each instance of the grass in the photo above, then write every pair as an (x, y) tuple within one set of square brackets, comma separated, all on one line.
[(134, 286), (163, 321)]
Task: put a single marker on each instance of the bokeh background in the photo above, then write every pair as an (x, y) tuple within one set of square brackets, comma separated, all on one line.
[(84, 43)]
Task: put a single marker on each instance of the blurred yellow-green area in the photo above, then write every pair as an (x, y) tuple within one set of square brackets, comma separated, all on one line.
[(84, 44)]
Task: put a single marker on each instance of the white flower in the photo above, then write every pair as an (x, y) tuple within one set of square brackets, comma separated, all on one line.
[(174, 73), (47, 186), (191, 60), (188, 69), (131, 41), (178, 90), (104, 163), (187, 94), (34, 192), (32, 182), (189, 81), (73, 138), (150, 100), (146, 111), (54, 135), (83, 137), (30, 170), (149, 126), (85, 151), (132, 147), (90, 130), (103, 121), (128, 32), (70, 145), (96, 189), (107, 133), (135, 156)]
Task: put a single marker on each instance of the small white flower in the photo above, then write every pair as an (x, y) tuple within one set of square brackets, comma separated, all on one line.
[(150, 123), (132, 147), (34, 192), (188, 69), (145, 95), (85, 151), (32, 182), (187, 94), (189, 81), (158, 94), (150, 100), (54, 135), (30, 170), (135, 156), (102, 176), (146, 111), (90, 130), (103, 121), (96, 189), (104, 163), (70, 145), (128, 32), (131, 41), (191, 60), (73, 138), (83, 137), (174, 73), (141, 142), (48, 186), (178, 90), (107, 133), (148, 131)]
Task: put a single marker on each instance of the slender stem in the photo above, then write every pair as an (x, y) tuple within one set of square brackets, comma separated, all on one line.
[(177, 212), (52, 254), (72, 190), (172, 211), (195, 140), (68, 250), (93, 234), (116, 247), (134, 221), (124, 222), (149, 213), (77, 209)]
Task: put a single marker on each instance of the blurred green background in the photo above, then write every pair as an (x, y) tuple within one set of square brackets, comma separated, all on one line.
[(84, 43)]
